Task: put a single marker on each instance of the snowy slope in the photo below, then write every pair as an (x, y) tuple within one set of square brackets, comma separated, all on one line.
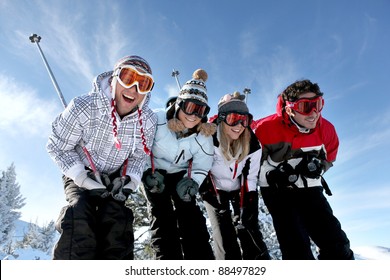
[(361, 253)]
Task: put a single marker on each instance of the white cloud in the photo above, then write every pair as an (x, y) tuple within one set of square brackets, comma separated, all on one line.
[(375, 134), (248, 44), (372, 198), (21, 109)]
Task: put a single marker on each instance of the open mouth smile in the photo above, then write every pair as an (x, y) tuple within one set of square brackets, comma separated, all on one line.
[(128, 99)]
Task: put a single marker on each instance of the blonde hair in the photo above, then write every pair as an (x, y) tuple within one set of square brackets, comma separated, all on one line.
[(230, 149)]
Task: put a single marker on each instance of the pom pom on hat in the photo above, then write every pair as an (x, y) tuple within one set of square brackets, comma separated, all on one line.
[(233, 103), (195, 88), (200, 74)]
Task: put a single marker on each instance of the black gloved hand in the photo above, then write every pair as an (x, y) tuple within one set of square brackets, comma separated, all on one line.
[(207, 191), (187, 189), (122, 187), (250, 208), (310, 167), (154, 182), (283, 176), (105, 180)]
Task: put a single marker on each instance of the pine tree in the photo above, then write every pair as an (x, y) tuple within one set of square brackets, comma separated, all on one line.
[(138, 204), (11, 200), (40, 238)]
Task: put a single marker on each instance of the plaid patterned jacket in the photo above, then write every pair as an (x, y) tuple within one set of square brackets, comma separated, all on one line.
[(88, 118)]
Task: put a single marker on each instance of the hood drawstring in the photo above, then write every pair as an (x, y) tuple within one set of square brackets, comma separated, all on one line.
[(118, 144), (146, 149)]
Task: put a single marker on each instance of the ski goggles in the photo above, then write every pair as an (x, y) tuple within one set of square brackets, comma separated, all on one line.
[(129, 76), (193, 107), (233, 119), (305, 106)]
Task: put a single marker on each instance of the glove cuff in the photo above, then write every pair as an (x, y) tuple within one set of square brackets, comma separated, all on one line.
[(75, 171), (80, 178)]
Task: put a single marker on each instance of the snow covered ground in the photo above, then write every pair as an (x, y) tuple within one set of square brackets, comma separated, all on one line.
[(361, 253)]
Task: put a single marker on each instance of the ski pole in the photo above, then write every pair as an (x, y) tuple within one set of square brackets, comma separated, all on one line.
[(34, 38), (247, 91), (175, 74)]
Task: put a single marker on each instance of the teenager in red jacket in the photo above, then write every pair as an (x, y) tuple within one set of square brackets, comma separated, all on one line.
[(299, 145)]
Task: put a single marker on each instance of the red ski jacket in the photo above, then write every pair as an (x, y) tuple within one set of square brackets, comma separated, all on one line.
[(282, 140)]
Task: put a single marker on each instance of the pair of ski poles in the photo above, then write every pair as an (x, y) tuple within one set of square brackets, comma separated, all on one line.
[(34, 38)]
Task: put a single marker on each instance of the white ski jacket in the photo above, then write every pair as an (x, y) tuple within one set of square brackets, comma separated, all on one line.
[(88, 118), (226, 174), (173, 154)]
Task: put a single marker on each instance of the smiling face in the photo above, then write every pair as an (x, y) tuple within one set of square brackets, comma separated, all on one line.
[(232, 132), (127, 99), (189, 121), (307, 121)]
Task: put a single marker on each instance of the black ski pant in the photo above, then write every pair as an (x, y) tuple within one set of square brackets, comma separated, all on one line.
[(300, 215), (93, 228), (242, 225), (178, 228)]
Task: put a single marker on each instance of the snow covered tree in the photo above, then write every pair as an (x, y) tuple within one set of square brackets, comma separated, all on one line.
[(11, 200), (40, 238), (142, 248)]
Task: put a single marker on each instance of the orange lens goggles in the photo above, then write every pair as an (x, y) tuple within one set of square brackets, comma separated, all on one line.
[(305, 106), (233, 119), (129, 76)]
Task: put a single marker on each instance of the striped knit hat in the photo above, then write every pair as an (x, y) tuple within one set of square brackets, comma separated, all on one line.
[(195, 88)]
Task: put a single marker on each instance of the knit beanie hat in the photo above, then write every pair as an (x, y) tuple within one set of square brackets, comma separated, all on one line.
[(195, 88), (233, 103)]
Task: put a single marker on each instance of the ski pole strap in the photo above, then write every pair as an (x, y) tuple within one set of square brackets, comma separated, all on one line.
[(152, 162), (189, 168), (215, 188), (244, 182), (125, 167), (243, 191), (325, 186), (323, 183), (93, 167), (235, 169)]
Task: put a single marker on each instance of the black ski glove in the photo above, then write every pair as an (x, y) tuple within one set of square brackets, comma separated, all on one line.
[(310, 167), (187, 189), (154, 182), (250, 208), (283, 176), (122, 187)]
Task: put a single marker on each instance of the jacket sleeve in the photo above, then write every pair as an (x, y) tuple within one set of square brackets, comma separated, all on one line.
[(64, 139), (253, 159), (254, 169), (202, 159), (331, 143)]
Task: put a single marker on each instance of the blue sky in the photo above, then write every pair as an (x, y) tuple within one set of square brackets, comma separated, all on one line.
[(261, 45)]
